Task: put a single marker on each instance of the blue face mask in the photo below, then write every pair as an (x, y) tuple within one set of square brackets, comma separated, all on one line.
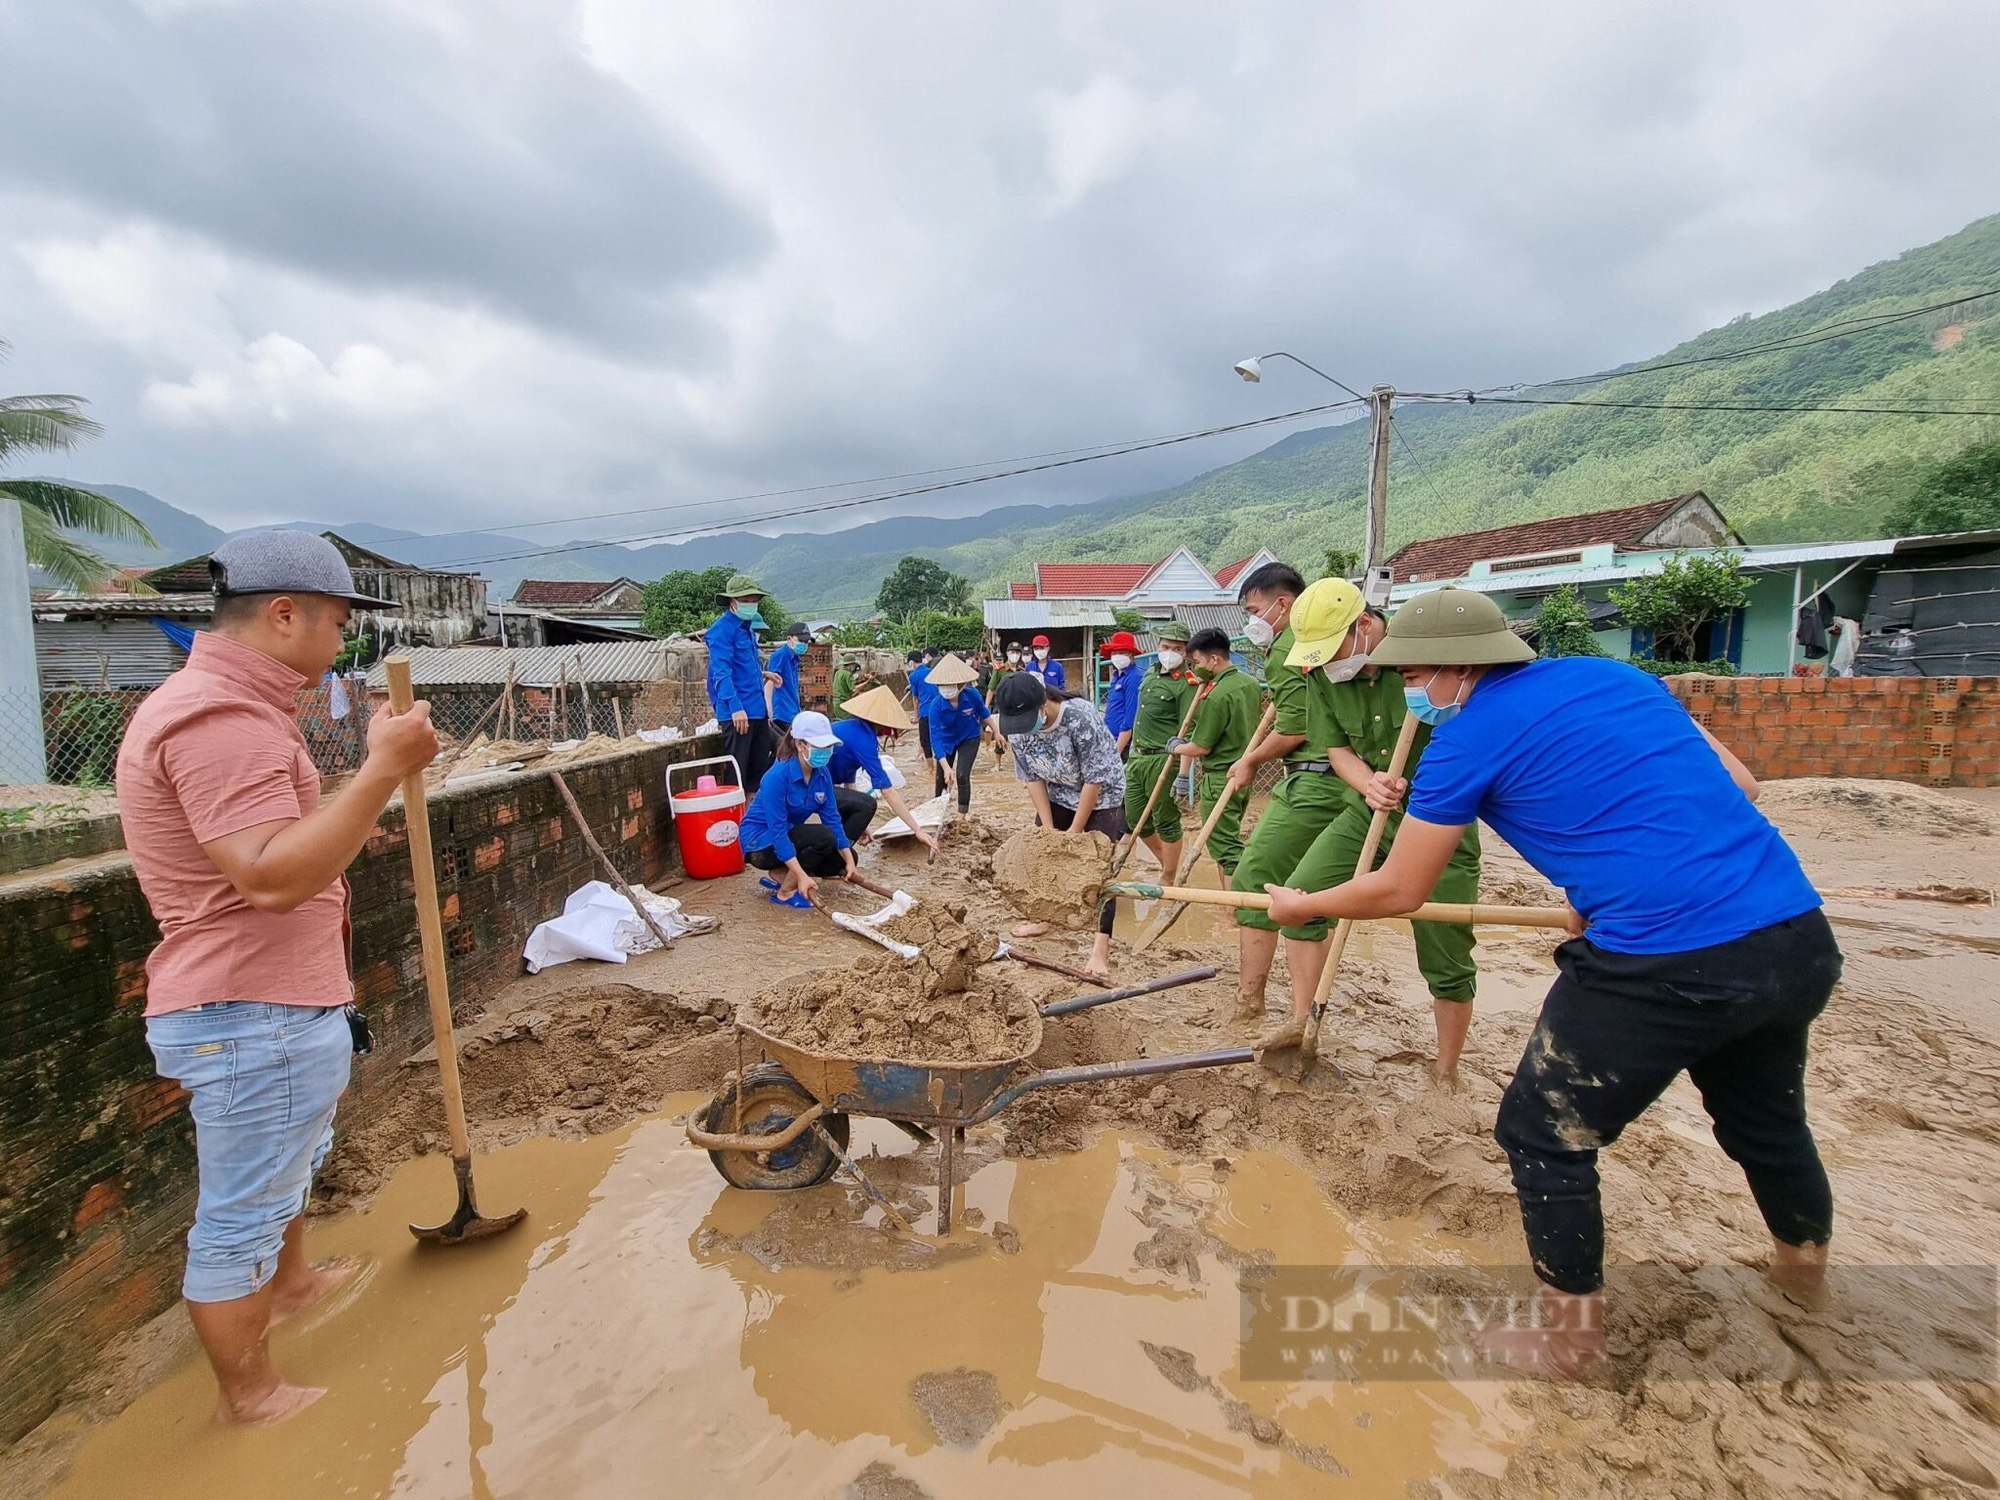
[(819, 755), (1425, 711), (746, 609), (799, 647)]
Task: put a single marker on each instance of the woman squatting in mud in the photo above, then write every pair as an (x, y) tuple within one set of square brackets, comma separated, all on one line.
[(777, 832), (1075, 779), (1705, 949)]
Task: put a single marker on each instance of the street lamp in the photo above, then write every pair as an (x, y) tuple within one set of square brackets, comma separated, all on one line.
[(1374, 582)]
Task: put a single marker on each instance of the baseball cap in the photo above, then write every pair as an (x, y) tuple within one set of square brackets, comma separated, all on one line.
[(812, 728), (1321, 618), (1040, 640), (1018, 703), (798, 630), (286, 562), (1450, 628)]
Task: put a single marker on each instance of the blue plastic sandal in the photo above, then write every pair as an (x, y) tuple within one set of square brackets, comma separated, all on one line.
[(795, 899), (767, 882)]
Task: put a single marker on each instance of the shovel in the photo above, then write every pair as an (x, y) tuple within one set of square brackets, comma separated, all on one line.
[(467, 1223), (1173, 913)]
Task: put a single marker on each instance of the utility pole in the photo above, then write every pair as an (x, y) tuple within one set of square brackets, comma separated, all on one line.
[(23, 761), (1379, 399)]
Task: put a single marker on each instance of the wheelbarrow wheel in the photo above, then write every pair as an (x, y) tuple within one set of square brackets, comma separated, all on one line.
[(772, 1099)]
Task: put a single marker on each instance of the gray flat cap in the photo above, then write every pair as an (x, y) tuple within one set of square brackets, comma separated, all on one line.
[(286, 562)]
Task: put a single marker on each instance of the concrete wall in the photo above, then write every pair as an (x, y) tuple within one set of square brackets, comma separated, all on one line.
[(96, 1153), (1943, 730)]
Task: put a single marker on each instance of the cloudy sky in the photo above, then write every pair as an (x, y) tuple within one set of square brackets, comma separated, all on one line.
[(452, 263)]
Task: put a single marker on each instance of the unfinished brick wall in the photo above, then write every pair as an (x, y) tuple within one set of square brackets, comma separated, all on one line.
[(97, 1173), (1941, 730)]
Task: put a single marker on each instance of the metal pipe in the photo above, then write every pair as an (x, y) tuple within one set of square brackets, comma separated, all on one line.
[(1101, 1072), (1090, 1002)]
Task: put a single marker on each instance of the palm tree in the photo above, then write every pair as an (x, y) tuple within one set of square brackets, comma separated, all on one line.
[(54, 424)]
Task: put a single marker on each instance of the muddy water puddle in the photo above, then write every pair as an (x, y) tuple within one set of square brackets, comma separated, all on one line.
[(650, 1331)]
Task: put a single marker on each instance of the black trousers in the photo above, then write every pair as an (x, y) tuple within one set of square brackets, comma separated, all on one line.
[(1109, 821), (1617, 1028), (924, 740), (753, 749), (818, 854), (963, 759)]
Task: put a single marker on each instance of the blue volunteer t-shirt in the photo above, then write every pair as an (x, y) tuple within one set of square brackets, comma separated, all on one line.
[(785, 691), (1592, 770), (860, 749), (953, 722)]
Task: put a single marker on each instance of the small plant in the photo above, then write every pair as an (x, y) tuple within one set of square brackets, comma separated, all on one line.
[(1691, 591), (90, 725), (1563, 626)]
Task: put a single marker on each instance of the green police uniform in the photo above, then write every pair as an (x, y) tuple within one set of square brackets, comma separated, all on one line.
[(1369, 716), (843, 689), (1163, 703), (1308, 796), (1224, 725)]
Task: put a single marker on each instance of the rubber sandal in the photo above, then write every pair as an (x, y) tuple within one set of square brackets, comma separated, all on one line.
[(795, 899), (767, 882)]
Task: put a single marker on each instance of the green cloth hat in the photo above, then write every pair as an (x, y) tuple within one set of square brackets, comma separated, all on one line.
[(1172, 630), (740, 586), (1450, 628)]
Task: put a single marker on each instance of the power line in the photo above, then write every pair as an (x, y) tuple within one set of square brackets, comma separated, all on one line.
[(1142, 446), (1879, 411)]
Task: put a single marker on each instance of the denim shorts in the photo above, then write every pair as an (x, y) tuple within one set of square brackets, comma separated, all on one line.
[(262, 1082)]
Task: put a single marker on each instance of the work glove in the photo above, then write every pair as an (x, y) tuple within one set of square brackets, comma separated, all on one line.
[(1184, 788)]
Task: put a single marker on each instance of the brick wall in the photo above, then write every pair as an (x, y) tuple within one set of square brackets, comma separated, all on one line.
[(96, 1153), (1942, 730)]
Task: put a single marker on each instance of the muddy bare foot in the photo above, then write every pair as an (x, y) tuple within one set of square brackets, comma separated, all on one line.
[(1032, 929), (321, 1281), (1546, 1353), (283, 1400), (1799, 1272), (1289, 1032)]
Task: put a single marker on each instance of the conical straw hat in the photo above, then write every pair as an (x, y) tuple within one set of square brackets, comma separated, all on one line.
[(878, 706), (952, 672)]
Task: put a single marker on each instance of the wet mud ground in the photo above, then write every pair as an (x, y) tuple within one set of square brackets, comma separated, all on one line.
[(653, 1332)]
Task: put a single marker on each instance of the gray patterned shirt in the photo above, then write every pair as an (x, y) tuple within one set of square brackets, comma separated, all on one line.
[(1077, 750)]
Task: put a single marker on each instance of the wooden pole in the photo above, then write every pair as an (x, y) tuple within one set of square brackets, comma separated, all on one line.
[(1378, 478), (582, 695), (625, 890), (1399, 760), (618, 715), (1465, 913), (1159, 782), (510, 700)]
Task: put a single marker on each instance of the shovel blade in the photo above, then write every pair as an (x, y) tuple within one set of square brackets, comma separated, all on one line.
[(467, 1223)]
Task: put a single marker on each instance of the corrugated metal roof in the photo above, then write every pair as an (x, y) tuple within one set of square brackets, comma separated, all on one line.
[(118, 651), (1227, 618), (534, 666), (1045, 614), (60, 606)]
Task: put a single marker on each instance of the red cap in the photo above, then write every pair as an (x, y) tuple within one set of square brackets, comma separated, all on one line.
[(1120, 642), (1040, 640)]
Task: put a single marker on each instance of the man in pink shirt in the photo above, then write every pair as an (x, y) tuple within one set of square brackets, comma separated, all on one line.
[(247, 991)]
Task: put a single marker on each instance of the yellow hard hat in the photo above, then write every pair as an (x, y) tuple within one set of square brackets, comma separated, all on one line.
[(1321, 618)]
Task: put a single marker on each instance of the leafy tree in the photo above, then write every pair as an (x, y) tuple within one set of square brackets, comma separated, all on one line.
[(932, 627), (683, 602), (1691, 591), (1960, 494), (1340, 563), (1132, 620), (1563, 625), (53, 424), (862, 633), (918, 583)]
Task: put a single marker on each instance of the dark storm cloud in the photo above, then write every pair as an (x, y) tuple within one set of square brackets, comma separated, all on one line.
[(468, 163)]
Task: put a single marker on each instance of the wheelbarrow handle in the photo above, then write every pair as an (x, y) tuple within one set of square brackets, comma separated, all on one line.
[(1090, 1002), (1138, 1067)]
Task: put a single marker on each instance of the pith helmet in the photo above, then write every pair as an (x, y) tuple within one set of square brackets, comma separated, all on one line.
[(740, 586), (1450, 628), (1172, 630)]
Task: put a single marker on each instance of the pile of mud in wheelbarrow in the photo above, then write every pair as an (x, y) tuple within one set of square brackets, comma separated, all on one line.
[(932, 1043)]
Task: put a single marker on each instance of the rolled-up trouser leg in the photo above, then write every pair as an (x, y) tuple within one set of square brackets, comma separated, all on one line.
[(1445, 949), (1225, 841)]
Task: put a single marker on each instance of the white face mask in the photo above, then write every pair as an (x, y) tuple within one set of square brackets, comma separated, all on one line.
[(1258, 631), (1120, 660), (1013, 656), (950, 694), (1346, 669), (1170, 659), (1041, 653)]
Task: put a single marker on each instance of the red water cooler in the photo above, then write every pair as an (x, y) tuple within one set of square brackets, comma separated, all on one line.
[(708, 817)]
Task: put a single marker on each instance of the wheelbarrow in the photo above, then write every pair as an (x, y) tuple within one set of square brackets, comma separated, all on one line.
[(759, 1130)]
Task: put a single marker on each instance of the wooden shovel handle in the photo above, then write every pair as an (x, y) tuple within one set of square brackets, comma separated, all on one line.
[(1160, 781), (430, 921), (1200, 844)]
